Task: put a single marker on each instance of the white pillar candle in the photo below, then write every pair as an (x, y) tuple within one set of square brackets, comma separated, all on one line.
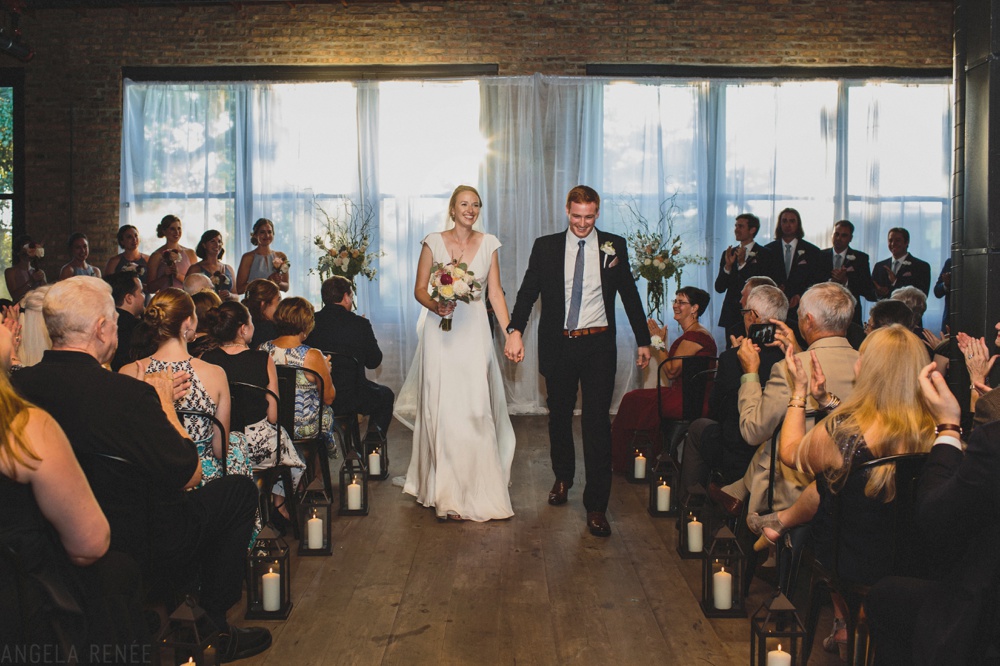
[(272, 591), (722, 590), (779, 658), (354, 496), (374, 463), (663, 497), (640, 467), (694, 536), (314, 529)]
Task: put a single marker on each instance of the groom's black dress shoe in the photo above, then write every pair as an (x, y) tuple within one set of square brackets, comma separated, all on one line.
[(598, 524), (559, 492)]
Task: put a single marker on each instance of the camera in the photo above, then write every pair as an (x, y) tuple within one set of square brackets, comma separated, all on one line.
[(761, 334)]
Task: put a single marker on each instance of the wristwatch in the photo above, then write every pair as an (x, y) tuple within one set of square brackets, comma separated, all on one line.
[(510, 329)]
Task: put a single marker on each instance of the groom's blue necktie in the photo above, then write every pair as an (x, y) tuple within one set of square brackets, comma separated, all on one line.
[(576, 295)]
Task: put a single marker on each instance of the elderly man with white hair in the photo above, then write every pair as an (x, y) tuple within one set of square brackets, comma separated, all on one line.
[(140, 462), (195, 282)]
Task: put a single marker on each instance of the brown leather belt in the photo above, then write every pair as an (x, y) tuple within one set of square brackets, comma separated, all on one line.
[(580, 332)]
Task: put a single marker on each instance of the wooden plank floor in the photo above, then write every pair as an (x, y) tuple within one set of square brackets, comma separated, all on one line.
[(401, 588)]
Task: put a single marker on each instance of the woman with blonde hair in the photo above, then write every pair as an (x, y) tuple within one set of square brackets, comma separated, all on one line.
[(885, 415)]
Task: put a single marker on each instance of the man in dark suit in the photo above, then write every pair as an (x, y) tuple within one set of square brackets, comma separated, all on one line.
[(901, 269), (338, 329), (126, 290), (942, 289), (801, 261), (849, 267), (741, 262), (577, 274)]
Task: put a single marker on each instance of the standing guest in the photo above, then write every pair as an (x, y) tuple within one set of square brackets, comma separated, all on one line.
[(210, 249), (577, 273), (130, 259), (901, 269), (34, 336), (263, 263), (849, 267), (173, 535), (169, 263), (25, 274), (942, 289), (741, 262), (79, 249), (262, 298), (339, 329), (738, 331), (130, 301), (801, 261)]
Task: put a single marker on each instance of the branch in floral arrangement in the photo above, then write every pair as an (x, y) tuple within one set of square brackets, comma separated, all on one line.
[(345, 242)]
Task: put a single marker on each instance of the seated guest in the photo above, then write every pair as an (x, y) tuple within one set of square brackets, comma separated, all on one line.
[(715, 443), (130, 301), (169, 322), (901, 269), (293, 319), (953, 621), (210, 250), (889, 312), (24, 275), (253, 414), (204, 302), (884, 416), (34, 336), (262, 298), (339, 329), (638, 411), (736, 332), (174, 535), (79, 249), (916, 300), (196, 282)]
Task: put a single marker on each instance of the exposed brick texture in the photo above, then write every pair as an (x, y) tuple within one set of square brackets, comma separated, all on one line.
[(73, 86)]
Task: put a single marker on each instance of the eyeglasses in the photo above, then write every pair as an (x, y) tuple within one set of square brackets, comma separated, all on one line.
[(748, 310), (677, 302)]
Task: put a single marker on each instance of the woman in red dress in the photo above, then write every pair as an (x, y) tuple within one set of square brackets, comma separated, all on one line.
[(638, 412)]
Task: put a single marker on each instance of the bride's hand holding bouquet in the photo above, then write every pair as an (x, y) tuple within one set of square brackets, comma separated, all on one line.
[(450, 283)]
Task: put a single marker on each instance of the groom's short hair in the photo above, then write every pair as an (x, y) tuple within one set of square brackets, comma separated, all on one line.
[(581, 194)]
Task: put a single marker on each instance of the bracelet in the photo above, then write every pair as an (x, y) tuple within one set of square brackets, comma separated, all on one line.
[(798, 397), (831, 404), (792, 404), (942, 427)]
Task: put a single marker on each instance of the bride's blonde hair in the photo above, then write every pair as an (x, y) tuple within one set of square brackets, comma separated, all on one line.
[(451, 206)]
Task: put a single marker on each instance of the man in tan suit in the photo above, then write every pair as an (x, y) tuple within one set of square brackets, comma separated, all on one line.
[(825, 311)]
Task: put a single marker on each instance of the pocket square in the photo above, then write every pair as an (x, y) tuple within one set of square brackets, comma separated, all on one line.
[(802, 263), (614, 262)]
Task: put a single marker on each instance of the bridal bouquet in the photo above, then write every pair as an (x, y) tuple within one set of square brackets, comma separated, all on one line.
[(453, 282), (345, 241)]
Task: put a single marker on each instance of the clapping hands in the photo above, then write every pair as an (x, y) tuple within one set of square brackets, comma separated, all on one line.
[(977, 359), (939, 400), (801, 384)]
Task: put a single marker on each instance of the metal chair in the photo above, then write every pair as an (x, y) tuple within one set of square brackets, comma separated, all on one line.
[(347, 375), (241, 393), (697, 375), (314, 445), (214, 423)]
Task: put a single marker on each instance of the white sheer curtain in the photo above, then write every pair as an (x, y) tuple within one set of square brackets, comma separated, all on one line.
[(220, 155)]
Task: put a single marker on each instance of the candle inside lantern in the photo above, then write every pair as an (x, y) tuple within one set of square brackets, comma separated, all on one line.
[(190, 661), (272, 591), (314, 529), (663, 497), (694, 529), (354, 495), (374, 463), (722, 589), (640, 465), (779, 658)]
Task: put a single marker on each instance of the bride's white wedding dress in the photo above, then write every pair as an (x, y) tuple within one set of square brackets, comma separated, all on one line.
[(463, 440)]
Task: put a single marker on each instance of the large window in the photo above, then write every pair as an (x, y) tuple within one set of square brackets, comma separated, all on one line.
[(11, 159)]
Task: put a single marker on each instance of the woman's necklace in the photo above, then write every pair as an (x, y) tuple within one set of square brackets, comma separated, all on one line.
[(461, 246), (235, 344)]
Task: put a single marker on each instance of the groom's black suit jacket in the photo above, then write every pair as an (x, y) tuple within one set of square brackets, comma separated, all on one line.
[(545, 277)]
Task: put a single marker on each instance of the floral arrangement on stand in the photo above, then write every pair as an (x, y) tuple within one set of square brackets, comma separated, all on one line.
[(453, 282), (657, 252), (345, 243)]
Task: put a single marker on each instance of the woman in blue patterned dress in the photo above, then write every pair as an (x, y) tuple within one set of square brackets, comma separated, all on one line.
[(170, 323), (294, 322)]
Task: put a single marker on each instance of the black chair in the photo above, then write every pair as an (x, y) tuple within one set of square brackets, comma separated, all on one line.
[(347, 375), (243, 396), (697, 375), (315, 446), (901, 560), (213, 423)]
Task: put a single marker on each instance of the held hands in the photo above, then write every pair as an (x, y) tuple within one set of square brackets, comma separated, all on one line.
[(939, 400), (642, 359), (514, 348)]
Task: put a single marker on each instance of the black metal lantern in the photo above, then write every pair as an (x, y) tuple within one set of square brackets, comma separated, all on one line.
[(662, 489), (377, 455), (777, 634), (637, 471), (722, 573), (189, 636), (269, 577), (315, 513), (694, 520), (353, 485)]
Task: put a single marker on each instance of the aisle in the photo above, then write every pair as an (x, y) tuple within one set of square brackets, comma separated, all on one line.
[(401, 588)]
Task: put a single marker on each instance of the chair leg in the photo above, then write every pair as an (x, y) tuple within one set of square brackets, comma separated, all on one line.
[(291, 501)]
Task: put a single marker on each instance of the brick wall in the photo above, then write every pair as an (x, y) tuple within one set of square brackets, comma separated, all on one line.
[(73, 86)]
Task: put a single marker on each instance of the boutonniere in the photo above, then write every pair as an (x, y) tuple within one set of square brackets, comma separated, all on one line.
[(609, 251), (801, 252), (906, 263), (751, 255), (851, 257)]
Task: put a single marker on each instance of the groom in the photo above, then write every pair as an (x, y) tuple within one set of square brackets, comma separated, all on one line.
[(577, 273)]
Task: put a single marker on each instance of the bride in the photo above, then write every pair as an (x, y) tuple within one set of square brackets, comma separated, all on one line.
[(463, 440)]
